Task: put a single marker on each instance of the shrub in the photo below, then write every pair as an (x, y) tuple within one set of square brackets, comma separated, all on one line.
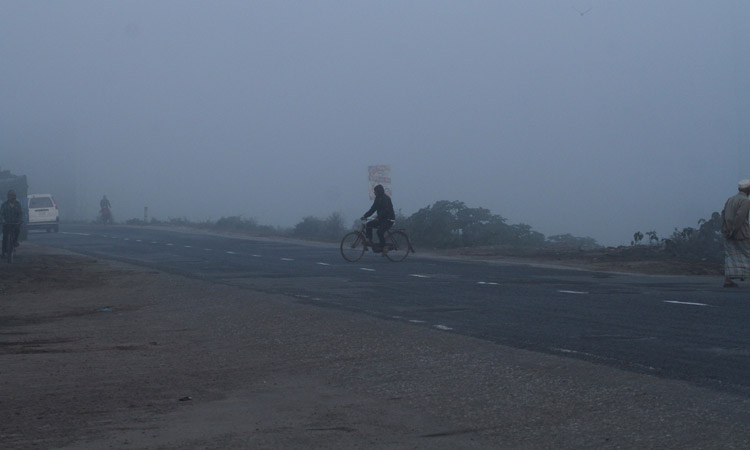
[(447, 224), (329, 229)]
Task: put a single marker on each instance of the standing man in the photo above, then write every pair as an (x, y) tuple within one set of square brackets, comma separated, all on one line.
[(385, 219), (734, 227), (11, 216)]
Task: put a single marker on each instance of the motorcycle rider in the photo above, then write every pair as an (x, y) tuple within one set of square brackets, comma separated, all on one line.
[(11, 216)]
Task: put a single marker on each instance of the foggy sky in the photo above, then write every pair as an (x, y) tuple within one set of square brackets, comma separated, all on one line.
[(632, 116)]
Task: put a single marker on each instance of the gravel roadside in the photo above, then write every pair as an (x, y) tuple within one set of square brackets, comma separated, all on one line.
[(99, 354)]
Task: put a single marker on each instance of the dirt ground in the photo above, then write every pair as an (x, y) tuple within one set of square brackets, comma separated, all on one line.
[(98, 355)]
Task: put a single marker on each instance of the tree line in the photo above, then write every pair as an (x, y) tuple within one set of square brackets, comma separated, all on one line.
[(452, 224), (703, 242), (441, 225)]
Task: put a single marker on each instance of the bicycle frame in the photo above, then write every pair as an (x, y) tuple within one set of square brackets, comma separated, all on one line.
[(355, 243), (10, 240)]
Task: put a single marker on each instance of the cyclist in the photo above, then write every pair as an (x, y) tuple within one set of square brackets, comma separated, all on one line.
[(11, 216), (384, 221)]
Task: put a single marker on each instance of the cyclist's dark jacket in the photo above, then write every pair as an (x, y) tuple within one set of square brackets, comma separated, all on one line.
[(383, 206), (11, 212)]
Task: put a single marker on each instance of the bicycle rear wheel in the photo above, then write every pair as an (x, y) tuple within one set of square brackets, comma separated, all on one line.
[(398, 246), (7, 249), (353, 246)]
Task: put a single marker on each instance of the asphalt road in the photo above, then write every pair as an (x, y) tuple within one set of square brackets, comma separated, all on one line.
[(687, 328)]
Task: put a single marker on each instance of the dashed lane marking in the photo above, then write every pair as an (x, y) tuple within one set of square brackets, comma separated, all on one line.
[(322, 264), (231, 253), (488, 283), (418, 275), (287, 259), (255, 256), (416, 321), (188, 246), (686, 303), (572, 292), (442, 327), (367, 269), (79, 234)]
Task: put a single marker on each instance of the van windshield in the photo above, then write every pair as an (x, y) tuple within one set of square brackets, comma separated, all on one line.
[(40, 202)]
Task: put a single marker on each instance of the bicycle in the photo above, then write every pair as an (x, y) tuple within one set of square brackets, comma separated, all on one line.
[(355, 243), (12, 236)]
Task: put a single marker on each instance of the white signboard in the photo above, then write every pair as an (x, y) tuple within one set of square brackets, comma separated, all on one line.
[(379, 175)]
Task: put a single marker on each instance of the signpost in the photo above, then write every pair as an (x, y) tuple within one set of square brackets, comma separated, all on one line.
[(379, 175)]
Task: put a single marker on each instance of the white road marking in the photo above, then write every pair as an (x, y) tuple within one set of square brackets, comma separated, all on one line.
[(323, 264), (154, 242), (686, 303), (138, 240), (573, 292), (418, 275), (287, 259), (416, 321), (565, 350), (442, 327), (79, 234), (487, 282), (365, 268), (170, 244), (255, 256), (125, 239), (208, 249), (231, 253), (188, 246)]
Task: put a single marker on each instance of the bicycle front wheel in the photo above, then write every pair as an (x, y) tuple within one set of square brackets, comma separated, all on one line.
[(398, 246), (353, 246)]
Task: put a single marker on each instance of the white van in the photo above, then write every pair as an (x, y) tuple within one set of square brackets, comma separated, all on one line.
[(43, 213)]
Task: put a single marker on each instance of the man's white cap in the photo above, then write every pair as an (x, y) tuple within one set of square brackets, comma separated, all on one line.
[(744, 184)]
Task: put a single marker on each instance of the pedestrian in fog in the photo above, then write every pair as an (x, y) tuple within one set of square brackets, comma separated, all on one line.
[(736, 231), (11, 217)]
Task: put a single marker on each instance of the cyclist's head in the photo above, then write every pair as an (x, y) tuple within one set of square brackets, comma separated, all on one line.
[(11, 194), (379, 189)]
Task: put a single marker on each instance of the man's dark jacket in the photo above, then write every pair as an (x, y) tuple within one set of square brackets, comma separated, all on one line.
[(383, 206), (11, 212)]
